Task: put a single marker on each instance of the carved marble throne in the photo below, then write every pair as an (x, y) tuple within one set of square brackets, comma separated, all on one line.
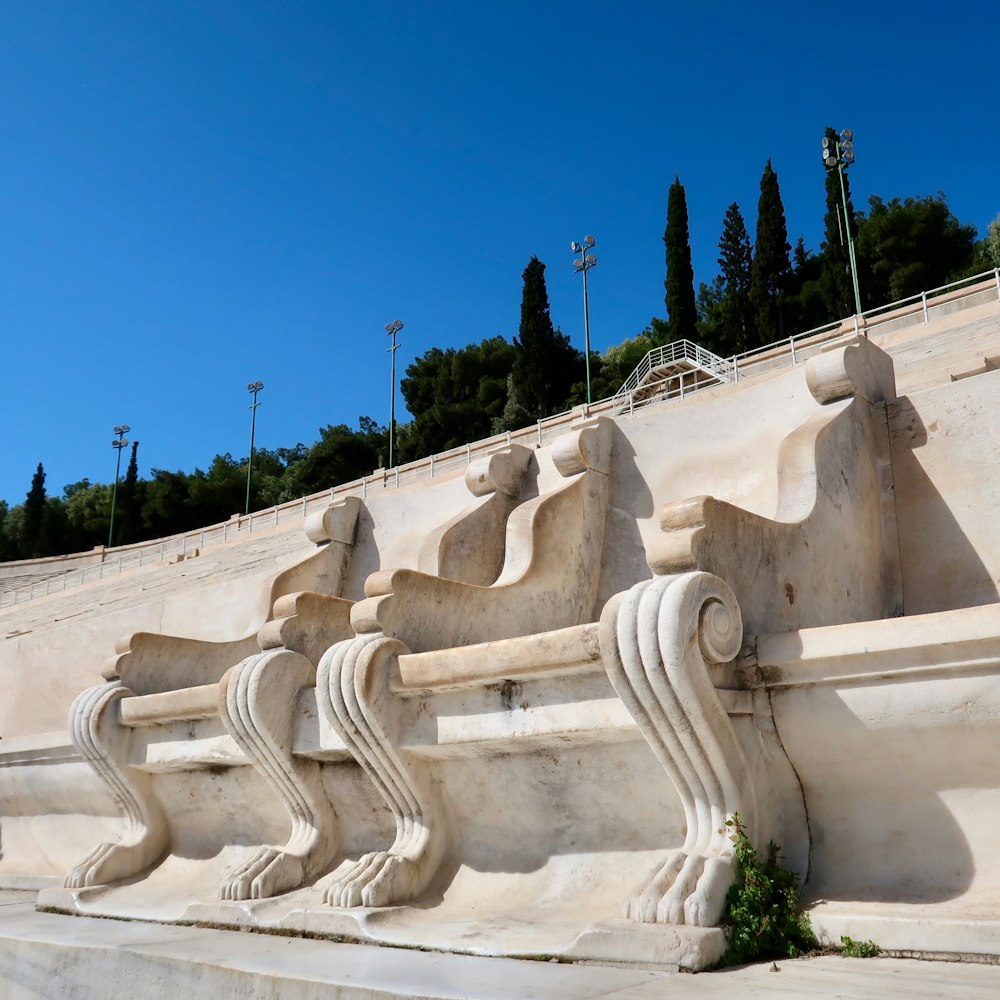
[(155, 680)]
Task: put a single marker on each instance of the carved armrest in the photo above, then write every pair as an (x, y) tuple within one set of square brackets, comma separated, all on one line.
[(307, 623), (151, 663), (549, 580)]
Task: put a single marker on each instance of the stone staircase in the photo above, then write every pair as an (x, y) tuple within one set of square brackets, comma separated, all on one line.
[(955, 346)]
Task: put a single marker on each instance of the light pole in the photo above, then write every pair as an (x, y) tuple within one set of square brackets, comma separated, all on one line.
[(121, 430), (254, 388), (582, 265), (838, 154), (391, 330)]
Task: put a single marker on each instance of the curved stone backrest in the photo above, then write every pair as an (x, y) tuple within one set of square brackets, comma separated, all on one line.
[(553, 551), (829, 554)]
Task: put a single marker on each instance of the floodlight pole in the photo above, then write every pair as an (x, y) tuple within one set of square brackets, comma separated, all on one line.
[(119, 443), (391, 330), (582, 265), (842, 158), (254, 388)]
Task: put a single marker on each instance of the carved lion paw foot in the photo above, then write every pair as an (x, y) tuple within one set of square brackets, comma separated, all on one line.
[(109, 863), (350, 879), (686, 888), (705, 906), (640, 904), (268, 872), (381, 879)]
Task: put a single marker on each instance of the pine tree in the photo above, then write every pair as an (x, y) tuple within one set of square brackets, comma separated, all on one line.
[(547, 364), (771, 266), (835, 282), (735, 329), (681, 309), (32, 543)]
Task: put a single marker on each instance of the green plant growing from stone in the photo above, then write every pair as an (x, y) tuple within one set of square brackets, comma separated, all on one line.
[(763, 913), (859, 949)]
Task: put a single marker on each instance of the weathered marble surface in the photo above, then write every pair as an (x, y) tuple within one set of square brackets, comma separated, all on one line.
[(516, 722)]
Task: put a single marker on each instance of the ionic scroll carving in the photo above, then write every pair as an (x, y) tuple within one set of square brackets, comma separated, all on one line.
[(104, 744), (353, 691), (658, 641)]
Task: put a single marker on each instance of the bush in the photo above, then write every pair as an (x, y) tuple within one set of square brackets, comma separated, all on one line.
[(763, 914)]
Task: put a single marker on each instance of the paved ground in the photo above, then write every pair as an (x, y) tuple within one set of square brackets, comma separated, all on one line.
[(76, 958)]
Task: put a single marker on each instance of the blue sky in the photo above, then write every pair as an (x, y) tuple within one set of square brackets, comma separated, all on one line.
[(194, 195)]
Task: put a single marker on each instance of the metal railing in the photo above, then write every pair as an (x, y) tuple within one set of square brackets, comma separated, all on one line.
[(915, 309), (678, 350)]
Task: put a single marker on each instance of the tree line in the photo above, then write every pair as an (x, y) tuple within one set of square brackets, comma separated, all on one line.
[(765, 290)]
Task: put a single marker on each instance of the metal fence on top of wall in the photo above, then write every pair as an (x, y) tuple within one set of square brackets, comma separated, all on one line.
[(917, 309)]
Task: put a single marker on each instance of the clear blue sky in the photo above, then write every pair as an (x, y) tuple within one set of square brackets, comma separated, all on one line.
[(199, 193)]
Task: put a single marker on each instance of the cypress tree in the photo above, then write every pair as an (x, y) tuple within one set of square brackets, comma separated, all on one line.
[(836, 286), (735, 330), (547, 364), (33, 524), (771, 266), (681, 308), (128, 508)]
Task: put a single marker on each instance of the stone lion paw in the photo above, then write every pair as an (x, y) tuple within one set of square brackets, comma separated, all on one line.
[(268, 872), (670, 908), (350, 879), (109, 863), (685, 888), (704, 907), (641, 903)]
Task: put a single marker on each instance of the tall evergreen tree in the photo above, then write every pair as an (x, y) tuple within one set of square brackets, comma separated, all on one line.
[(681, 308), (836, 285), (32, 542), (546, 365), (129, 502), (771, 266), (734, 332)]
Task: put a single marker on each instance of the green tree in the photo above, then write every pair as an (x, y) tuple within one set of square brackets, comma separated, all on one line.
[(805, 308), (610, 369), (220, 492), (546, 365), (341, 455), (993, 242), (88, 510), (167, 506), (906, 247), (128, 518), (836, 285), (456, 395), (734, 328), (682, 311), (32, 542), (8, 543), (770, 268)]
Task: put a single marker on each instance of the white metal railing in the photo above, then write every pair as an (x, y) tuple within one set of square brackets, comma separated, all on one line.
[(781, 354), (678, 350)]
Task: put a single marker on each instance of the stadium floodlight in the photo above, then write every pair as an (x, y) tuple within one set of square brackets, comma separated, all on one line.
[(391, 330), (581, 266), (838, 154), (253, 388), (119, 442)]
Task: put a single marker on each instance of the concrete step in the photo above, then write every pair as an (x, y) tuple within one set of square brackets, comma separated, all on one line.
[(47, 955)]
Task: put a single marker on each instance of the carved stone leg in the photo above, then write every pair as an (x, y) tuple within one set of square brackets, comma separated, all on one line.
[(104, 743), (657, 641), (257, 708), (353, 693)]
